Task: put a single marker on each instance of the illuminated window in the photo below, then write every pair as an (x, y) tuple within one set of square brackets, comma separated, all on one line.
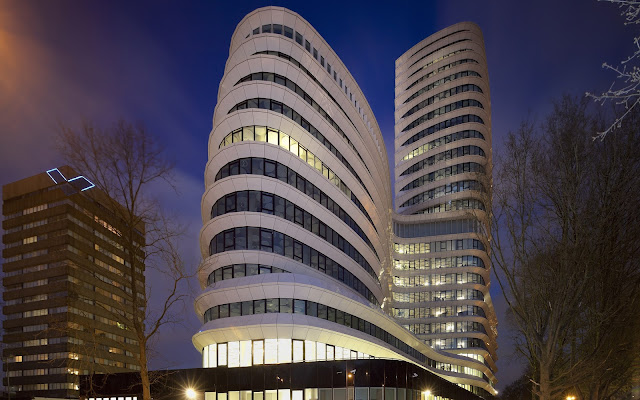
[(284, 351), (270, 395), (234, 356), (258, 352), (293, 145), (284, 394), (284, 140), (222, 354), (298, 351), (212, 356), (272, 137), (346, 354), (310, 351), (31, 239), (330, 353), (321, 352), (271, 351), (275, 351), (261, 133), (245, 354)]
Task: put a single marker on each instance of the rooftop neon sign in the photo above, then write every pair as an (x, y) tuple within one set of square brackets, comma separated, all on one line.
[(80, 183)]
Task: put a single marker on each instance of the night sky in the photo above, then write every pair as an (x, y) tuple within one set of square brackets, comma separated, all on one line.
[(159, 63)]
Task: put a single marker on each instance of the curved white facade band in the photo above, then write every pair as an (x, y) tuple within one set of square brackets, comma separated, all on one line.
[(296, 241)]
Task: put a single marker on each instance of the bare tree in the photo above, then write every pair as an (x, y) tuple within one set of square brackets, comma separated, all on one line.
[(608, 318), (125, 163), (625, 89), (566, 259)]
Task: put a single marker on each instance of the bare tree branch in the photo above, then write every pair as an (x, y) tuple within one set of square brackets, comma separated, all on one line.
[(625, 89), (125, 162)]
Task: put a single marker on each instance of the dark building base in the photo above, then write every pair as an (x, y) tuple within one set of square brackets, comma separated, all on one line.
[(373, 379)]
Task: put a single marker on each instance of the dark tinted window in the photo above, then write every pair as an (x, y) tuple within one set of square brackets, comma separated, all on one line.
[(270, 168), (253, 235)]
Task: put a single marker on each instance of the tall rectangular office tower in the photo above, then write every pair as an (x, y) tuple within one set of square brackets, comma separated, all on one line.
[(67, 285), (441, 266)]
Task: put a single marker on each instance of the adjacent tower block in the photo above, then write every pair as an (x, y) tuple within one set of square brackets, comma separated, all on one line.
[(67, 285), (441, 266)]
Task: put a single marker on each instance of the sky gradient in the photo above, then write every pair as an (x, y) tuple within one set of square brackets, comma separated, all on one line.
[(159, 63)]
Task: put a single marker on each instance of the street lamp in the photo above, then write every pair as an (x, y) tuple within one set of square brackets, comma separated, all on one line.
[(190, 393), (571, 397)]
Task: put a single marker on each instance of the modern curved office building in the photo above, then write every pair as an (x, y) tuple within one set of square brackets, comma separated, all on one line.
[(441, 267), (300, 246)]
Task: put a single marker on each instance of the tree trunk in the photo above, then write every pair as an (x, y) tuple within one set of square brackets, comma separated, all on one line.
[(144, 374), (545, 384)]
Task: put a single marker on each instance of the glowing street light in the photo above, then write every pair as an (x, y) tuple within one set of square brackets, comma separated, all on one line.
[(190, 393), (571, 397)]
